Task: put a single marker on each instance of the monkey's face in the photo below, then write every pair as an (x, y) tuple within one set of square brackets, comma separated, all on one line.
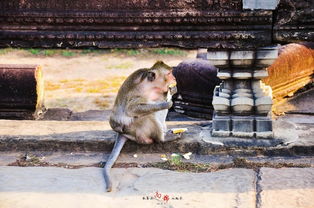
[(156, 80), (161, 79), (157, 83)]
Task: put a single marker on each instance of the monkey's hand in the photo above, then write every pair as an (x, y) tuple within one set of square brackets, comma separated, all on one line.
[(173, 90), (170, 103), (170, 136), (145, 109)]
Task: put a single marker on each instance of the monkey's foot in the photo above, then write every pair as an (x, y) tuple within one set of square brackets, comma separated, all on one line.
[(144, 140), (170, 136)]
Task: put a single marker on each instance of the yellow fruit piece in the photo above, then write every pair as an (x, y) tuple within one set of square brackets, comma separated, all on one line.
[(173, 85), (178, 130)]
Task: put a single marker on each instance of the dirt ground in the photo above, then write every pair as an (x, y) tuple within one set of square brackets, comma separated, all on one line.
[(83, 80)]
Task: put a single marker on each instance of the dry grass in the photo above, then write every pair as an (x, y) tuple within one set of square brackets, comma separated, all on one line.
[(97, 93), (49, 86), (102, 102), (80, 85), (123, 65)]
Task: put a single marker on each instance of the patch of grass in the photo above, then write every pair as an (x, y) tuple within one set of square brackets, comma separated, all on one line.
[(123, 65), (4, 51), (34, 51), (43, 52), (175, 160), (94, 51), (151, 51), (68, 53), (168, 51), (129, 52), (88, 51), (133, 52), (49, 52)]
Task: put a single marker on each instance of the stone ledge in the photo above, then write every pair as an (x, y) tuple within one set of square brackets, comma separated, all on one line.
[(96, 136)]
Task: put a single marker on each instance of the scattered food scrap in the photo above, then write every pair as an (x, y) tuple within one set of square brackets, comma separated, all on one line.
[(178, 130)]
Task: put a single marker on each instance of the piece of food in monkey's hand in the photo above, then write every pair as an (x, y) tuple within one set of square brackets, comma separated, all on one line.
[(173, 88), (178, 130), (172, 85)]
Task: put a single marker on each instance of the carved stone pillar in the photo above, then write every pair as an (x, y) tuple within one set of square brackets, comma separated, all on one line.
[(242, 102)]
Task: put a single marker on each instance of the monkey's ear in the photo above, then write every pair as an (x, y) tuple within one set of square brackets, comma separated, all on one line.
[(151, 76)]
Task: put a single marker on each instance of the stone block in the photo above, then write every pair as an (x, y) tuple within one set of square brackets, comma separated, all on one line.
[(243, 126), (221, 104), (260, 74), (264, 127), (241, 55), (242, 105), (224, 95), (263, 105), (227, 84), (242, 63), (218, 58), (259, 4), (224, 74), (269, 52), (227, 91), (242, 94), (242, 75), (221, 126), (242, 84), (237, 91), (202, 53), (256, 84)]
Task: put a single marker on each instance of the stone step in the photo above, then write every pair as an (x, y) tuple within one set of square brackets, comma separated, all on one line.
[(96, 136)]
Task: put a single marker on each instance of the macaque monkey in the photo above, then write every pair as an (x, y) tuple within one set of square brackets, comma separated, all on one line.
[(140, 110)]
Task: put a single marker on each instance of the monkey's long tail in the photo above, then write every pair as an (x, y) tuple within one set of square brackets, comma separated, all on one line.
[(118, 145)]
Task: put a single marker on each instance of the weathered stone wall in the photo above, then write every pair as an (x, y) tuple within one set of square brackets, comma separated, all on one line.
[(133, 23), (208, 24), (294, 21)]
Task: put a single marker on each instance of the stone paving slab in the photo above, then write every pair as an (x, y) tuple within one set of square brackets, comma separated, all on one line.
[(286, 188), (38, 187)]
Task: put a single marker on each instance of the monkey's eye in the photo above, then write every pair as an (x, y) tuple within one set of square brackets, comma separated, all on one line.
[(151, 76)]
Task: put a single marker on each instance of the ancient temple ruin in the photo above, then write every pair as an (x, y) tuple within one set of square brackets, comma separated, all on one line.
[(240, 37)]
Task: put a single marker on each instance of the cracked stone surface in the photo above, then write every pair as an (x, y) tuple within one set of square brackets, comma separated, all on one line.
[(56, 187), (287, 187)]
